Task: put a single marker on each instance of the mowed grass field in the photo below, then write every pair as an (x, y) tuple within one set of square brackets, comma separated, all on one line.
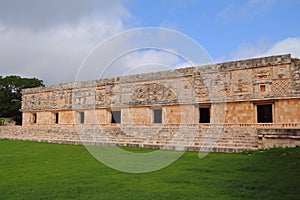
[(32, 170)]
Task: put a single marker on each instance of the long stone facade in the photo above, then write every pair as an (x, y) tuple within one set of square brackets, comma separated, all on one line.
[(232, 106)]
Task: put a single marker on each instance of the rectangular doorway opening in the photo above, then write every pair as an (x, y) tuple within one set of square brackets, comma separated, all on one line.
[(34, 118), (157, 116), (81, 117), (264, 113), (116, 117), (204, 115), (56, 118)]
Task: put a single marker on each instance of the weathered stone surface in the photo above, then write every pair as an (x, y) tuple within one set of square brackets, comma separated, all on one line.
[(237, 80), (231, 91), (270, 138), (168, 137)]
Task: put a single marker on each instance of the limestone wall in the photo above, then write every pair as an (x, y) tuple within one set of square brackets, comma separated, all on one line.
[(240, 112), (270, 138), (137, 115), (180, 114), (229, 95), (238, 84), (287, 111), (66, 117), (192, 138), (270, 77)]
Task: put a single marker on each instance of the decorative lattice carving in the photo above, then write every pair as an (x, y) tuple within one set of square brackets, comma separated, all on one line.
[(281, 87)]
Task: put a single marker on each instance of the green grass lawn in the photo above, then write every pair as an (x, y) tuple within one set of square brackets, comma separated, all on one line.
[(31, 170)]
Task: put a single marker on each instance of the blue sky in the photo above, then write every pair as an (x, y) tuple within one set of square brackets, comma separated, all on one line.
[(224, 27), (50, 39)]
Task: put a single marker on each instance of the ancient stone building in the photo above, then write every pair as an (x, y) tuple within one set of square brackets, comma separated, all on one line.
[(231, 106)]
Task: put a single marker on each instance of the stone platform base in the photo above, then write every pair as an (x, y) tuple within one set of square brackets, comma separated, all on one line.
[(191, 138)]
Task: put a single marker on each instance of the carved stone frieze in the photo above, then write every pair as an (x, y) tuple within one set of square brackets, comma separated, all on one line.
[(152, 93), (241, 82), (237, 80)]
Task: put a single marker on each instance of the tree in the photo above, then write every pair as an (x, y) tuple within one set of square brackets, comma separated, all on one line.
[(11, 97)]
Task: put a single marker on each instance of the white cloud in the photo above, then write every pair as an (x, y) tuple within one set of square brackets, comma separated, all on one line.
[(289, 45), (55, 51), (139, 51), (39, 14), (136, 61), (140, 58), (147, 61), (50, 40)]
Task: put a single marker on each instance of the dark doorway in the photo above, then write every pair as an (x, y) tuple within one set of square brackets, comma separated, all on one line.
[(264, 113), (34, 118), (116, 117), (81, 115), (56, 118), (157, 116), (204, 115)]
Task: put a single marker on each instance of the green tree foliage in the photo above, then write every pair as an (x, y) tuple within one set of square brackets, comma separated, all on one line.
[(11, 97)]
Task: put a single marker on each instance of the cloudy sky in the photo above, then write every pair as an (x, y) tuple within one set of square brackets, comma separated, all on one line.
[(51, 39)]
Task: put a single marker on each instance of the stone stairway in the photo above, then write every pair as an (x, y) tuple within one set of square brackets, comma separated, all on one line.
[(177, 138)]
